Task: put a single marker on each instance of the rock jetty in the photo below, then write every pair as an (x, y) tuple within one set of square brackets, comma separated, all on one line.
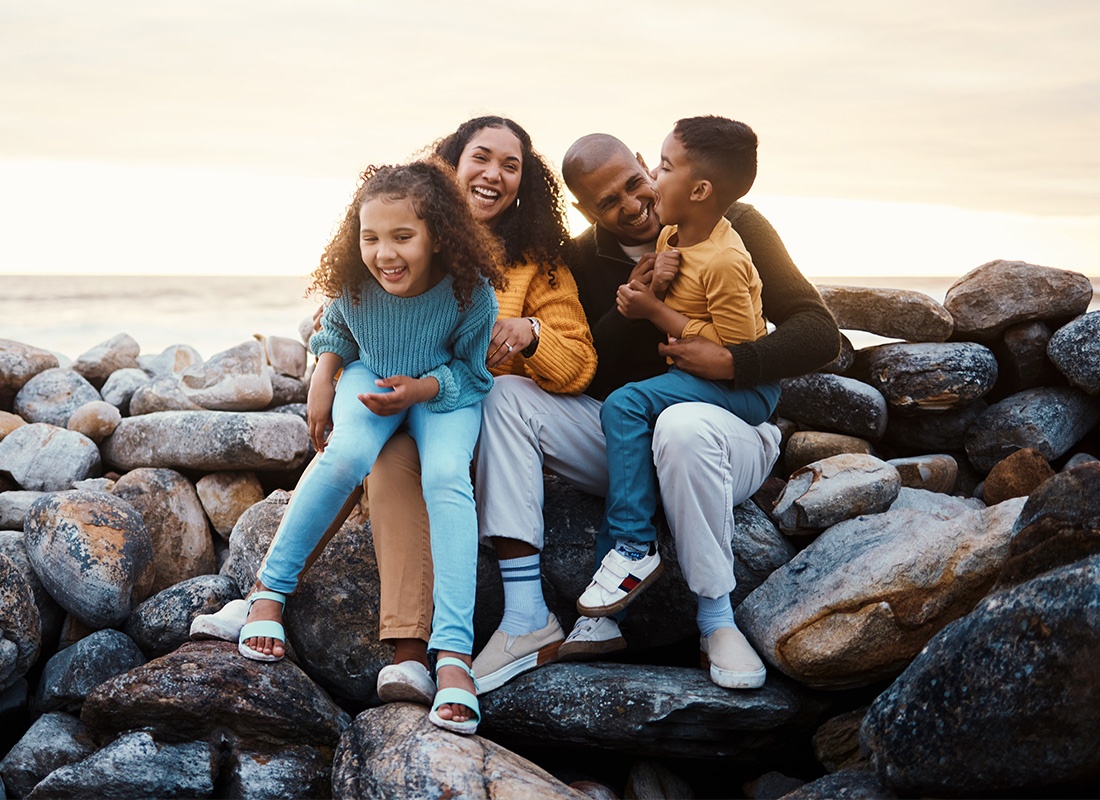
[(920, 574)]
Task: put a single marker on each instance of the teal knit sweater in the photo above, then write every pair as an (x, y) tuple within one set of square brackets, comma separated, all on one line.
[(422, 336)]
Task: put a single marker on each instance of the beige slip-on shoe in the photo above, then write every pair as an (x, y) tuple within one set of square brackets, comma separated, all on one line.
[(506, 656), (732, 661)]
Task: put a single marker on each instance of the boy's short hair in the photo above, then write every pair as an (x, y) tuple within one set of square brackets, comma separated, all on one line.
[(722, 151)]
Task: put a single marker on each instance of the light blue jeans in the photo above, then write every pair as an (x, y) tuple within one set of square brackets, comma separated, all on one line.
[(628, 416), (446, 444)]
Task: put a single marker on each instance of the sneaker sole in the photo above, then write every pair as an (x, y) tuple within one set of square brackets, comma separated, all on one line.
[(730, 679), (494, 680), (623, 602), (582, 651)]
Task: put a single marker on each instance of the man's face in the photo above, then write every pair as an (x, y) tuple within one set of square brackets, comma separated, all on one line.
[(619, 197)]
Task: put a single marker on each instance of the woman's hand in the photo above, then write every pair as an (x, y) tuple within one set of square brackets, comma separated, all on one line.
[(406, 392), (510, 336)]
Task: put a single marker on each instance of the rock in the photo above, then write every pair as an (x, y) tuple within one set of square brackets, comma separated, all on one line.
[(893, 313), (1075, 351), (393, 751), (120, 387), (759, 549), (1022, 358), (92, 553), (20, 629), (14, 507), (771, 785), (97, 420), (170, 361), (933, 433), (280, 773), (233, 380), (286, 356), (1017, 475), (1050, 420), (118, 352), (211, 441), (842, 363), (649, 779), (19, 363), (805, 447), (934, 503), (206, 691), (593, 790), (42, 457), (73, 672), (931, 377), (834, 403), (9, 422), (1008, 692), (934, 472), (288, 391), (1058, 525), (53, 395), (162, 623), (837, 488), (1076, 460), (173, 515), (836, 742), (55, 740), (849, 784), (988, 299), (161, 394), (864, 597), (135, 765), (50, 614), (227, 495)]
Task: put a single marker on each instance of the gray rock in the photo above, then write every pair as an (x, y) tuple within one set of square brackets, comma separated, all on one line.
[(282, 773), (932, 433), (286, 356), (806, 447), (136, 765), (120, 387), (651, 779), (1049, 419), (836, 742), (825, 492), (20, 629), (53, 395), (835, 403), (173, 515), (893, 313), (227, 495), (14, 507), (864, 597), (934, 503), (19, 363), (394, 751), (1076, 460), (163, 393), (97, 420), (237, 379), (42, 457), (50, 614), (93, 554), (170, 361), (843, 362), (162, 623), (53, 741), (1075, 351), (936, 472), (118, 352), (848, 784), (78, 669), (287, 391), (931, 377), (988, 299), (1008, 692), (210, 441), (1022, 358)]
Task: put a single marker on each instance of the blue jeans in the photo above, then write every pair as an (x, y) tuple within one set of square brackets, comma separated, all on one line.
[(628, 416), (446, 443)]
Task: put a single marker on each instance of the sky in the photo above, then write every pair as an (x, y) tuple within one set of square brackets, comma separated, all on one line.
[(225, 136)]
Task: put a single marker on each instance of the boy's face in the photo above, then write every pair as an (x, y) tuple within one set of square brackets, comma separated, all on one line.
[(675, 180), (618, 197)]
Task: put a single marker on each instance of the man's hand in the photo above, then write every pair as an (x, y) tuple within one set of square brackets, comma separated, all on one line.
[(635, 300), (406, 392), (700, 357), (643, 270), (665, 268)]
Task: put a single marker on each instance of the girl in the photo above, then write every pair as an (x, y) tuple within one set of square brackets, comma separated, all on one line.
[(412, 273)]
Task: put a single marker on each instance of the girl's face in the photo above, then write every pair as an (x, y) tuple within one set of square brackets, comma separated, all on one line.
[(490, 169), (396, 246)]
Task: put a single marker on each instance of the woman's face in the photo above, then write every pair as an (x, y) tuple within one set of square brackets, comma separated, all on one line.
[(490, 169)]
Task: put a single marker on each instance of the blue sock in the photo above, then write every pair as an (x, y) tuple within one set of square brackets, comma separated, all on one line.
[(635, 551), (714, 613), (524, 606)]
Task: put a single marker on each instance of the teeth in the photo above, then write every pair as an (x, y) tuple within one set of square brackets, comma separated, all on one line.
[(640, 219), (488, 194), (393, 271)]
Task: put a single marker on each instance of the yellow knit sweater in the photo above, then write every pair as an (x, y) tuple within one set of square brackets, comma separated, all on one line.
[(565, 360)]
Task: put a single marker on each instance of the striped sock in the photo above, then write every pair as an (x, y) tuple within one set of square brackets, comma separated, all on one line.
[(524, 607), (714, 613)]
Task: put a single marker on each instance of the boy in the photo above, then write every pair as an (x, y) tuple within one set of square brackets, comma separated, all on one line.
[(704, 284)]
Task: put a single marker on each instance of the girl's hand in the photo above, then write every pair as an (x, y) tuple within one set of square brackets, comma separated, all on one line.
[(406, 392), (510, 337), (666, 268), (635, 300), (319, 401)]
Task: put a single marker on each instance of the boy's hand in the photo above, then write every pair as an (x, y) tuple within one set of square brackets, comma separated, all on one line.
[(643, 270), (635, 300), (322, 393), (666, 267), (406, 392)]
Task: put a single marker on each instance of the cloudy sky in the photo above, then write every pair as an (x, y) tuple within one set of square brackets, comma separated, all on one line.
[(225, 135)]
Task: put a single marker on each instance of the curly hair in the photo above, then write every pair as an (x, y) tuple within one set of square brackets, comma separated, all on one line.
[(535, 227), (468, 250)]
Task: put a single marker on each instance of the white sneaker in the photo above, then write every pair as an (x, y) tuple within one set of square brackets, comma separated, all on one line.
[(592, 637), (617, 583), (733, 663), (407, 682), (226, 623)]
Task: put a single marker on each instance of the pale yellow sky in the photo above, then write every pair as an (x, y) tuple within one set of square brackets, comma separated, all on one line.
[(225, 135)]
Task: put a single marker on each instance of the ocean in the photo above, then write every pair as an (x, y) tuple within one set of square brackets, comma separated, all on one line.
[(70, 314)]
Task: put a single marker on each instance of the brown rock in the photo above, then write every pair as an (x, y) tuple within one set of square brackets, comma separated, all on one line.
[(1017, 475), (805, 447), (9, 422), (97, 420), (836, 742), (227, 495), (893, 313), (936, 473)]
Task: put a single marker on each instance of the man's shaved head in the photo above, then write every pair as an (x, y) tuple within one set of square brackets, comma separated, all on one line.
[(588, 153), (612, 187)]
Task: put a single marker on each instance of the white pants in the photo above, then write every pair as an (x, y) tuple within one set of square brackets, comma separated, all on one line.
[(707, 461)]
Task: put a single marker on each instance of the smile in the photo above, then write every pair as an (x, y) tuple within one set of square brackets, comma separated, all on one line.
[(485, 193), (639, 220)]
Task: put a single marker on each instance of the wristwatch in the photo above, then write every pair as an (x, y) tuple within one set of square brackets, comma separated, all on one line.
[(530, 349)]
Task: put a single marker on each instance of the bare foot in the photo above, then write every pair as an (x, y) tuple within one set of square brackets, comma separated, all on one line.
[(265, 610), (454, 677)]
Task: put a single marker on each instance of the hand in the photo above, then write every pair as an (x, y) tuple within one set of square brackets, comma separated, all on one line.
[(510, 336), (406, 392), (666, 267), (635, 300), (320, 312), (643, 270), (322, 393), (700, 357)]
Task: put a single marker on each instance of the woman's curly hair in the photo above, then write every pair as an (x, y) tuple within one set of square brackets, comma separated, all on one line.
[(534, 228), (468, 251)]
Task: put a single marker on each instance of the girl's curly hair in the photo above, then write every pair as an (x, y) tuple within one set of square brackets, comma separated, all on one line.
[(468, 251), (534, 228)]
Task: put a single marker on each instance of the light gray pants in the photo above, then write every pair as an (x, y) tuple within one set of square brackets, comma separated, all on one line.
[(707, 461)]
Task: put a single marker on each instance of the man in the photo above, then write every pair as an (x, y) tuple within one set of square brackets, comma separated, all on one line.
[(708, 461)]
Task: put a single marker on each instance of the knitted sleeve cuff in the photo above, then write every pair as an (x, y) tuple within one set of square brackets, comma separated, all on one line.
[(447, 399)]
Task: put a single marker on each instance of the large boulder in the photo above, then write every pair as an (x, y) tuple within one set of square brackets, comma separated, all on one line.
[(73, 672), (238, 379), (53, 741), (834, 403), (1075, 351), (118, 352), (893, 313), (931, 377), (53, 395), (162, 623), (825, 492), (20, 630), (19, 363), (45, 458), (227, 495)]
